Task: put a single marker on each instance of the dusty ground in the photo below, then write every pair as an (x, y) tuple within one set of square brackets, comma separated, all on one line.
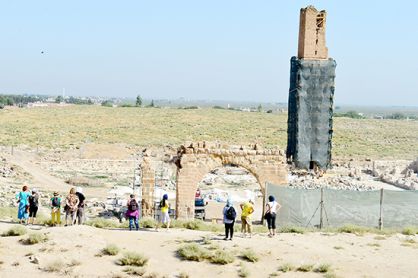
[(349, 255)]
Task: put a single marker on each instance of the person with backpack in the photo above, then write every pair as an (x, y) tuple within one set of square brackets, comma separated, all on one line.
[(165, 217), (80, 210), (229, 219), (132, 213), (270, 215), (56, 209), (33, 206)]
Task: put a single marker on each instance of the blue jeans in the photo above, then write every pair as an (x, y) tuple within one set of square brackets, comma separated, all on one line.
[(132, 220)]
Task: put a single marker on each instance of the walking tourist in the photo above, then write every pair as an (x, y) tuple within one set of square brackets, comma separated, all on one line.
[(80, 210), (71, 207), (133, 212), (271, 210), (229, 219), (33, 206), (247, 212), (165, 217), (23, 208), (56, 209)]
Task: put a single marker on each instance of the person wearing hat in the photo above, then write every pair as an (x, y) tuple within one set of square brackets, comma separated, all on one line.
[(165, 207), (247, 212), (56, 209), (33, 206), (80, 210)]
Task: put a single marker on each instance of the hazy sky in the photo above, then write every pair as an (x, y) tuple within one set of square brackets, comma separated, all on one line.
[(229, 50)]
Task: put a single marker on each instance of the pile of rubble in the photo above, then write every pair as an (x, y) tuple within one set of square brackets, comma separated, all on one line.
[(400, 173)]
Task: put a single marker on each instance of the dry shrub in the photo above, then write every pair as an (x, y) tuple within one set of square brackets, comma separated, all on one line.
[(250, 255), (221, 257), (110, 250), (193, 252), (15, 231), (35, 239), (134, 271), (133, 259)]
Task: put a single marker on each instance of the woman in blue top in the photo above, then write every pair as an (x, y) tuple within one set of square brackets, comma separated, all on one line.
[(23, 210)]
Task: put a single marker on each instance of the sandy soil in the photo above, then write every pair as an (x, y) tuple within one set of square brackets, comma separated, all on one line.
[(355, 256)]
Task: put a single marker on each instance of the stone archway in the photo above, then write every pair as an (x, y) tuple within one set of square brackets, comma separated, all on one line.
[(195, 160)]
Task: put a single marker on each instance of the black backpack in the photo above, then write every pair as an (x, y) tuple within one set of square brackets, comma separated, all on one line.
[(56, 202), (33, 201), (231, 214), (133, 205)]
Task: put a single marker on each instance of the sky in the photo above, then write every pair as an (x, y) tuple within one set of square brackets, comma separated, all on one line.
[(215, 50)]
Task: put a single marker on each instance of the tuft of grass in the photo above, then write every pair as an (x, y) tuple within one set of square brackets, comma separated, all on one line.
[(330, 275), (74, 262), (353, 229), (250, 255), (147, 222), (274, 274), (184, 275), (410, 231), (221, 257), (54, 266), (135, 271), (286, 267), (289, 229), (338, 247), (35, 239), (133, 259), (193, 252), (375, 244), (305, 268), (323, 268), (243, 272), (110, 250), (102, 223), (15, 231)]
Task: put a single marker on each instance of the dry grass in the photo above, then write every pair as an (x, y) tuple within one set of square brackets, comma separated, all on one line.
[(221, 257), (110, 250), (54, 266), (35, 238), (15, 231), (323, 268), (133, 259), (286, 267), (250, 255), (243, 272), (73, 125), (134, 271), (193, 252), (305, 268)]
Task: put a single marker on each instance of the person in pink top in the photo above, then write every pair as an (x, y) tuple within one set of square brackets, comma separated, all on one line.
[(133, 212)]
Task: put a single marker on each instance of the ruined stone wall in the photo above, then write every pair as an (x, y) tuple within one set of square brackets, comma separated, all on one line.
[(148, 182), (312, 27), (265, 165)]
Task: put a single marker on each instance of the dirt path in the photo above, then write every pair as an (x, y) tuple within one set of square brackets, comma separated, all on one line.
[(41, 178)]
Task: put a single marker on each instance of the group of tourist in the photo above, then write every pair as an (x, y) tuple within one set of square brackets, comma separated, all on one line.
[(247, 208), (28, 204), (28, 201)]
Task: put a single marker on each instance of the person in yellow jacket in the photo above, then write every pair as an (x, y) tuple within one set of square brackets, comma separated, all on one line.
[(247, 212), (165, 217)]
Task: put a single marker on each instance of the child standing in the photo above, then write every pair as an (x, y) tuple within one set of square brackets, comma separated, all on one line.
[(56, 209)]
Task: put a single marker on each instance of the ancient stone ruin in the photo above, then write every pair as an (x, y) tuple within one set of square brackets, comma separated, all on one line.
[(195, 160), (311, 94)]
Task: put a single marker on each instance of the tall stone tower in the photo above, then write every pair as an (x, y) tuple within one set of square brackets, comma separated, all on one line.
[(311, 94)]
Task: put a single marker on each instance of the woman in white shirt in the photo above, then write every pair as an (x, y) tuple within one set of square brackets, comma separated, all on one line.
[(271, 209)]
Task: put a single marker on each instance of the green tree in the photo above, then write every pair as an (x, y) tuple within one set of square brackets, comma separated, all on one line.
[(59, 99), (259, 108), (151, 104), (138, 101)]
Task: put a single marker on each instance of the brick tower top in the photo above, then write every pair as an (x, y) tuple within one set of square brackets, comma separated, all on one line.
[(312, 34)]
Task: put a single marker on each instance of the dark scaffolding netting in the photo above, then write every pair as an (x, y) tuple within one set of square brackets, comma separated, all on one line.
[(310, 110)]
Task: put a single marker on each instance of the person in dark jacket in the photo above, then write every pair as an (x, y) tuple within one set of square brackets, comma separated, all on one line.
[(33, 206), (80, 210), (229, 219)]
